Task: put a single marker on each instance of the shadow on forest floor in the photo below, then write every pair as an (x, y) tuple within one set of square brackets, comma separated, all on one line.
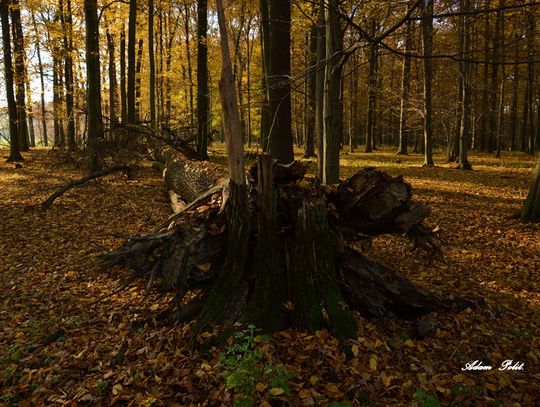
[(56, 348)]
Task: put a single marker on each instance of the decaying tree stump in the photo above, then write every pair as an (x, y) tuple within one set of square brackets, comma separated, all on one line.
[(295, 262)]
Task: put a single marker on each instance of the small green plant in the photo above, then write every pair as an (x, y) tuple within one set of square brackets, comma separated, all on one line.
[(247, 372), (426, 399), (10, 398), (102, 385)]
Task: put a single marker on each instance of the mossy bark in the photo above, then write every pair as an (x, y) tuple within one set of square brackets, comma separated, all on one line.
[(530, 211), (265, 307), (316, 294), (228, 297)]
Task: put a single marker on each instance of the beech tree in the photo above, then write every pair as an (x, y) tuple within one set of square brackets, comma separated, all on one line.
[(14, 137), (93, 98)]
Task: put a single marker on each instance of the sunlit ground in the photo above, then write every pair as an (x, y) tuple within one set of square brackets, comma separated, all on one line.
[(50, 273)]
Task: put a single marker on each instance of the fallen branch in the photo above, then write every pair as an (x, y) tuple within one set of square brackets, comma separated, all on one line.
[(48, 202)]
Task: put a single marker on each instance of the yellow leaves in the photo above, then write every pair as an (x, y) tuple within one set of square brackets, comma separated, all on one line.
[(205, 267), (355, 350), (20, 335), (409, 343), (373, 362), (276, 391), (313, 380), (117, 389), (459, 378), (261, 387)]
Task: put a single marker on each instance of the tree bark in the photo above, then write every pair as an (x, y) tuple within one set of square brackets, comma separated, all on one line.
[(93, 96), (333, 98), (372, 91), (132, 27), (465, 73), (151, 65), (67, 35), (123, 90), (427, 43), (405, 87), (14, 150), (19, 58), (44, 134), (113, 85), (202, 80), (278, 81)]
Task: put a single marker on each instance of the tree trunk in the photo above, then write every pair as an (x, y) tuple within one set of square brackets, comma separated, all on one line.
[(311, 87), (138, 80), (113, 119), (514, 108), (372, 91), (530, 211), (405, 87), (465, 69), (319, 87), (151, 65), (93, 96), (19, 57), (14, 151), (202, 80), (123, 95), (278, 81), (44, 134), (67, 34), (427, 44), (189, 67), (132, 27), (265, 54), (333, 100)]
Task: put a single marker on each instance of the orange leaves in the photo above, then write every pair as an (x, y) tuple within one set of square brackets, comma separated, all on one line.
[(50, 339)]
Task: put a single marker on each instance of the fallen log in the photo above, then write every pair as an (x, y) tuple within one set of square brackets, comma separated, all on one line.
[(300, 266), (49, 201)]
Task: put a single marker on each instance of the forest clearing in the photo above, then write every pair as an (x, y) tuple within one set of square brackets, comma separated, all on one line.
[(58, 346)]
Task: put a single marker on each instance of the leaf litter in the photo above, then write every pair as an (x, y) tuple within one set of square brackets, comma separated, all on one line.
[(56, 349)]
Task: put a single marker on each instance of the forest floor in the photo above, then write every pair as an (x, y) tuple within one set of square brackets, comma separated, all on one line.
[(58, 347)]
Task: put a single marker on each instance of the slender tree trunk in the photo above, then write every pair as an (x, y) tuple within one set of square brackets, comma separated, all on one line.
[(57, 108), (14, 138), (123, 90), (405, 87), (319, 87), (529, 111), (132, 28), (465, 69), (138, 80), (483, 136), (278, 80), (93, 96), (112, 81), (44, 134), (372, 92), (151, 65), (189, 66), (67, 34), (333, 96), (265, 52), (202, 79), (311, 94), (493, 108), (514, 108), (19, 57), (427, 43)]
